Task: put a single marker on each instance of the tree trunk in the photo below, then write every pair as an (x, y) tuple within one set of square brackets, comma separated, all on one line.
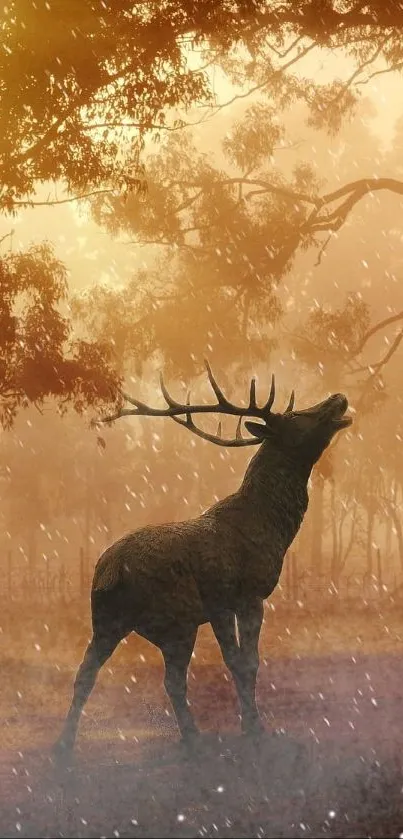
[(398, 527), (87, 518), (317, 503), (10, 574), (370, 527), (334, 562), (32, 553)]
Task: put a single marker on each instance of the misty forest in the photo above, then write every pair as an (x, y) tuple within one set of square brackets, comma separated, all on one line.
[(180, 181)]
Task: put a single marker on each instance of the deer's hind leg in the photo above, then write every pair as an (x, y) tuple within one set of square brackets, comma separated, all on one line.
[(98, 651)]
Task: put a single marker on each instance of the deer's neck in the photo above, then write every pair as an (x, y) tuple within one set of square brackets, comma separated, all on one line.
[(275, 490)]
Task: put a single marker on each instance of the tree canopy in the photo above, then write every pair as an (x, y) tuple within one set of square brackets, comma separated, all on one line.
[(86, 87), (83, 83), (39, 357)]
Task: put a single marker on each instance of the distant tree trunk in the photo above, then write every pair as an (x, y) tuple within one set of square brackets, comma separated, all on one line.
[(379, 572), (388, 534), (32, 555), (317, 502), (370, 527), (390, 492), (10, 574), (334, 562), (391, 507), (87, 516), (83, 573), (106, 518), (351, 539), (340, 555), (341, 551)]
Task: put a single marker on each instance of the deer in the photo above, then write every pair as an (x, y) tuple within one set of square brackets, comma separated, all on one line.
[(163, 581)]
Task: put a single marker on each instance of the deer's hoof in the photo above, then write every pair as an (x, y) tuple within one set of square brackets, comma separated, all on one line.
[(191, 741), (253, 729), (62, 752)]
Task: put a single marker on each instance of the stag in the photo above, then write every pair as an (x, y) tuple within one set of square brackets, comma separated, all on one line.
[(164, 581)]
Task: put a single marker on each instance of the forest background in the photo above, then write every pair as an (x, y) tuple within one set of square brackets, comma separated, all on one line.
[(182, 180)]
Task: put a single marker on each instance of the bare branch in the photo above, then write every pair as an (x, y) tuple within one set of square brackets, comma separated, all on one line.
[(377, 328), (322, 250), (335, 220), (188, 202), (316, 221), (48, 203), (343, 90), (8, 235), (394, 68), (277, 72), (392, 349), (145, 126), (377, 367), (265, 186), (167, 244), (292, 46), (366, 184)]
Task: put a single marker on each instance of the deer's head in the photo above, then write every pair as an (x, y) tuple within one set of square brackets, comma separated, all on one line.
[(301, 435), (304, 435)]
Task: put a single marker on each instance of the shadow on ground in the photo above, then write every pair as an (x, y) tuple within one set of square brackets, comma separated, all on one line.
[(334, 768), (281, 787)]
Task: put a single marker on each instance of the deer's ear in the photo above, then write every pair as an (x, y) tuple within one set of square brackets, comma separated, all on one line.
[(258, 430)]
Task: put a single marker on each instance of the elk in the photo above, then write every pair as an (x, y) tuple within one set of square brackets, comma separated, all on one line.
[(164, 581)]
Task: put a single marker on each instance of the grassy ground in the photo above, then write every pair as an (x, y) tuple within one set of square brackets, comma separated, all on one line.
[(330, 684)]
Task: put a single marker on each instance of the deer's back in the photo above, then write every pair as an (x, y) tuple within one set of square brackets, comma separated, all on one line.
[(170, 556)]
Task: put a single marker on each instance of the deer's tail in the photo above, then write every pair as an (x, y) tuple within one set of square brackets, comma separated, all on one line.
[(108, 571), (108, 600)]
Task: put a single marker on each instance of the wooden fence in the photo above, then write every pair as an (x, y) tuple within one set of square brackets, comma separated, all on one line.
[(47, 583), (65, 583)]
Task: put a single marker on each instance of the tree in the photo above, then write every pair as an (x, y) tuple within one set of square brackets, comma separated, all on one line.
[(104, 79), (229, 232), (39, 358), (227, 236), (78, 109), (217, 265)]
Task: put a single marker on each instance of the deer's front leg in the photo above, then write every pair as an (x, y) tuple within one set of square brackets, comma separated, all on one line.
[(242, 658), (249, 618)]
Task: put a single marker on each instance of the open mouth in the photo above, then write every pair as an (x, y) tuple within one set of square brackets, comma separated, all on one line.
[(339, 409)]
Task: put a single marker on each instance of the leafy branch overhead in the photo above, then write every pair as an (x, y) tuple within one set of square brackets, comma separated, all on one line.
[(78, 112), (233, 150), (79, 108), (307, 213), (231, 235), (39, 358)]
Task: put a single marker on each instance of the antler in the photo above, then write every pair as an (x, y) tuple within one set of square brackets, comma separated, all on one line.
[(175, 410)]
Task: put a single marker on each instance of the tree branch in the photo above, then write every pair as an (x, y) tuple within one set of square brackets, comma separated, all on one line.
[(346, 86), (48, 203), (322, 250), (369, 184), (277, 72), (145, 126), (265, 186), (375, 329), (394, 68), (167, 244), (379, 364), (376, 368)]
